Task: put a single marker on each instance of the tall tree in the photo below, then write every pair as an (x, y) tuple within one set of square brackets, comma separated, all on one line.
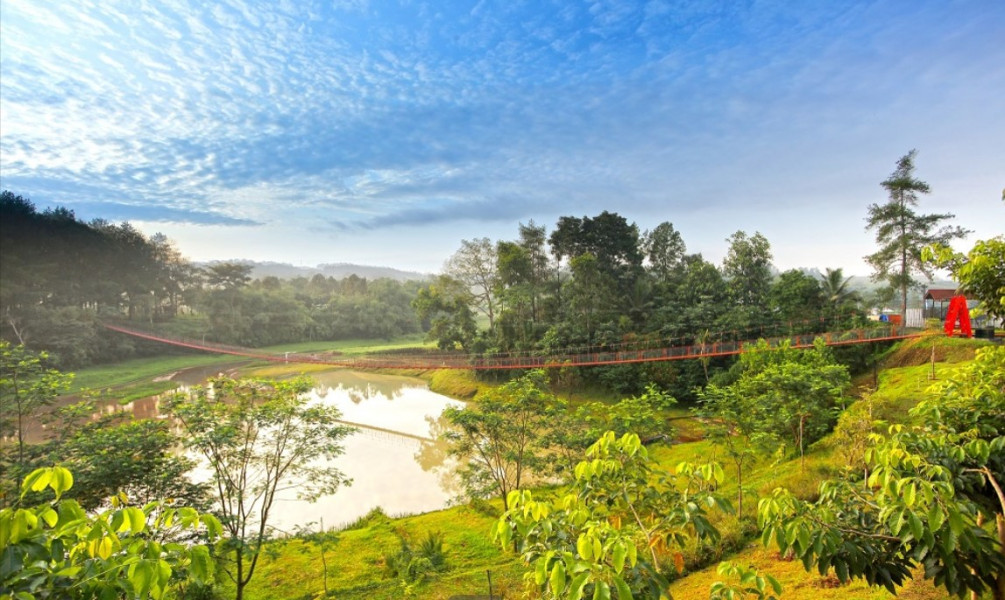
[(259, 437), (444, 308), (747, 268), (474, 264), (608, 237), (902, 233), (796, 298), (533, 240), (665, 250)]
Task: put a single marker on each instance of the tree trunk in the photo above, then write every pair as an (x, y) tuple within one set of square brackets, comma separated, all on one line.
[(999, 591), (739, 487)]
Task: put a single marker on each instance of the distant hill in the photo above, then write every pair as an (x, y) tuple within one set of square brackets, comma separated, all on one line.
[(336, 270)]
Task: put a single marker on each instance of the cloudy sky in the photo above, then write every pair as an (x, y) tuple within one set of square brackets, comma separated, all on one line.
[(384, 133)]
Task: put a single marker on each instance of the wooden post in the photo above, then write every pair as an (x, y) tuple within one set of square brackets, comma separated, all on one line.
[(933, 361)]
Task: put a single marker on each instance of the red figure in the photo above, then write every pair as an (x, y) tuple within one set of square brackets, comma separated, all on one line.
[(958, 311)]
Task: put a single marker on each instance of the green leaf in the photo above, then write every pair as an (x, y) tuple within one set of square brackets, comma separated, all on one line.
[(141, 576), (62, 480), (956, 523), (803, 535), (601, 591), (917, 529), (578, 583), (36, 481), (136, 519), (624, 592), (935, 517), (908, 493), (841, 569), (777, 587), (619, 557), (557, 579), (541, 571), (50, 516)]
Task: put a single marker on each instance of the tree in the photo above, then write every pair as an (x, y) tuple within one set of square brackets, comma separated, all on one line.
[(665, 250), (27, 385), (790, 392), (444, 308), (901, 233), (474, 265), (736, 422), (795, 298), (533, 240), (259, 437), (498, 436), (930, 489), (834, 286), (591, 294), (138, 458), (980, 272), (621, 529), (747, 268), (57, 550), (612, 241)]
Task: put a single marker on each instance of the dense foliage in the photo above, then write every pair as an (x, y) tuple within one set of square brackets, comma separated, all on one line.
[(929, 491), (54, 549), (619, 532), (61, 276)]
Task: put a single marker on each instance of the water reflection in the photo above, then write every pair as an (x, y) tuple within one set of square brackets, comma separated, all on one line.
[(395, 459)]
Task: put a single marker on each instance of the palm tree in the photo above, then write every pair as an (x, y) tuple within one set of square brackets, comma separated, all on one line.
[(835, 288)]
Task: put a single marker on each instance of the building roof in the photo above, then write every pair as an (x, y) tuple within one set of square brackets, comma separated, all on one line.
[(940, 294)]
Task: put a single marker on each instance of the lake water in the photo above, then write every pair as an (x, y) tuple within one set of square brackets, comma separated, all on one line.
[(395, 459)]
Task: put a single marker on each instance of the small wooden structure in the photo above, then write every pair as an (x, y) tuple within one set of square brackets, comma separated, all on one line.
[(936, 303)]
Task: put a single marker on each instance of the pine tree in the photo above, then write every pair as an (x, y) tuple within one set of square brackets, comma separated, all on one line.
[(901, 233)]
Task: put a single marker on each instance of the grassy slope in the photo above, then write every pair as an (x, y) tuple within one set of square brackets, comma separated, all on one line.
[(133, 379), (356, 561)]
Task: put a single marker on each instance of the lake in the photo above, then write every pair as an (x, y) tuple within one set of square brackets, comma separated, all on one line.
[(395, 459)]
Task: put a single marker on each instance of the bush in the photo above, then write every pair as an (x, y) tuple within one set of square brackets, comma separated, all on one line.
[(413, 565)]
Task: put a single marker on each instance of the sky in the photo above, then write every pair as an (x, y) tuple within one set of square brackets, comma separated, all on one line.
[(384, 133)]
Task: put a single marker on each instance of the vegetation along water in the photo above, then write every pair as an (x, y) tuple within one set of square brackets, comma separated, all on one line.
[(851, 468)]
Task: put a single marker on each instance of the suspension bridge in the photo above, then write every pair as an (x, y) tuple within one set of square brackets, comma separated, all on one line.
[(640, 351)]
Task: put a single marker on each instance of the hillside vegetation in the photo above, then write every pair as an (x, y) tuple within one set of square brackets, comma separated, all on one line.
[(358, 557)]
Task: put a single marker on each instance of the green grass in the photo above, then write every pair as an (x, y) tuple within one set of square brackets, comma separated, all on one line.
[(141, 370), (353, 347), (292, 570), (356, 565), (131, 380)]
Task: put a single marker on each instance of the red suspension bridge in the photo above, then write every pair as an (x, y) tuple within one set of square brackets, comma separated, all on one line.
[(623, 353)]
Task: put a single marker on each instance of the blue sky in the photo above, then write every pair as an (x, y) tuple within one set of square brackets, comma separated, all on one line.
[(384, 133)]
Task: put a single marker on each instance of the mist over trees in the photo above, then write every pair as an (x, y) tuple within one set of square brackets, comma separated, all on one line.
[(61, 276)]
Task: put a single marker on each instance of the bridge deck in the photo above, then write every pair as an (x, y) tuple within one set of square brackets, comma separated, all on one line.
[(622, 354)]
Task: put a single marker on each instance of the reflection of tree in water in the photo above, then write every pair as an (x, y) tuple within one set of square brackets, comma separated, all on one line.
[(359, 387), (432, 455)]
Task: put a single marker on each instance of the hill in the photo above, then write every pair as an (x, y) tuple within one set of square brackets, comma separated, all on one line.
[(336, 270)]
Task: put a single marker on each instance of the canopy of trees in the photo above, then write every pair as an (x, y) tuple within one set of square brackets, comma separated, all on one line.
[(60, 275)]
